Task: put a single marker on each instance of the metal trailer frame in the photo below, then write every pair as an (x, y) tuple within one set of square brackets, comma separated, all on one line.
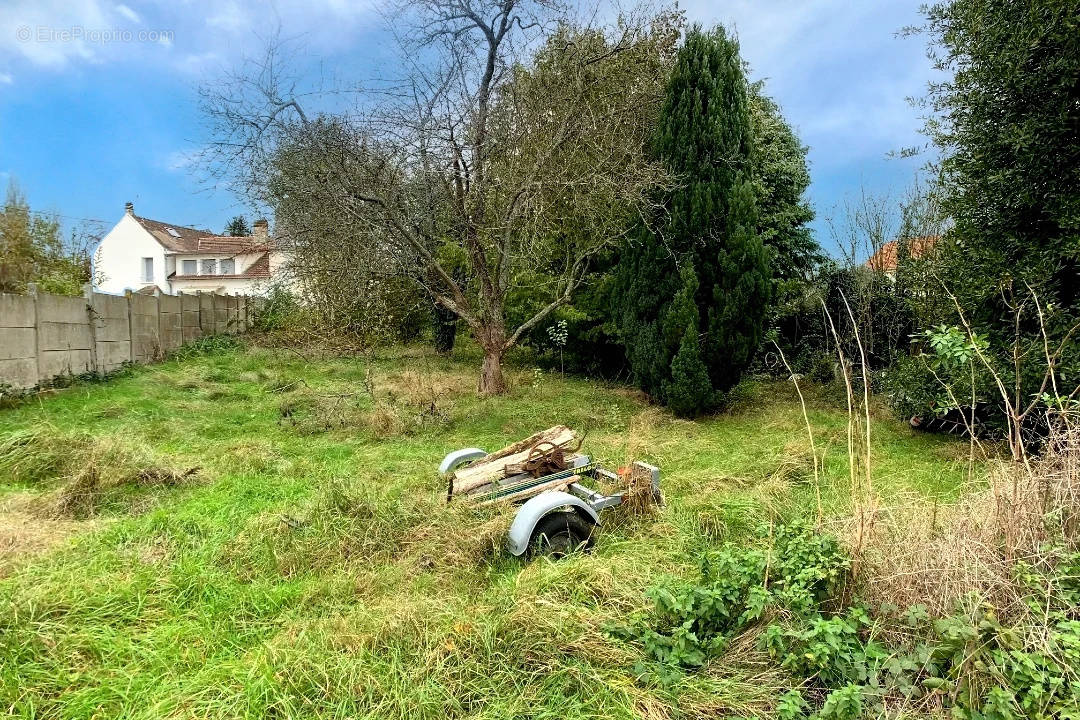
[(578, 498)]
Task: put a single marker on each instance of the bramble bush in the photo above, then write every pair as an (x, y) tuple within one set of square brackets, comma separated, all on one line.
[(841, 659)]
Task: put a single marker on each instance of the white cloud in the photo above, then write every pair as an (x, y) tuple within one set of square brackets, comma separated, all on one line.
[(231, 17), (47, 32), (199, 63), (179, 160), (6, 78), (128, 13), (836, 67), (60, 34)]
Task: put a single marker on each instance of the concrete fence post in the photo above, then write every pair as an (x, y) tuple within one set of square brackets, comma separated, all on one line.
[(88, 293), (32, 291), (131, 327), (159, 349)]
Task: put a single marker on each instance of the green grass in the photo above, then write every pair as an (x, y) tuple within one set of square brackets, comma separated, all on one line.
[(311, 568)]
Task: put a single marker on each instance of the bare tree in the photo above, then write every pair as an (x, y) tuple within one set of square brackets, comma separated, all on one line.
[(517, 139)]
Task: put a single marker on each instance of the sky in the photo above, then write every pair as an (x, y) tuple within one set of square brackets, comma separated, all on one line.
[(99, 99)]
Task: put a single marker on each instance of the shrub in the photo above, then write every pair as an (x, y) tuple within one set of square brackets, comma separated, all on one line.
[(799, 571), (279, 311)]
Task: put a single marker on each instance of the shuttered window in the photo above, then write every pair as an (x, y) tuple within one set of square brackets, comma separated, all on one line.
[(209, 267), (228, 267)]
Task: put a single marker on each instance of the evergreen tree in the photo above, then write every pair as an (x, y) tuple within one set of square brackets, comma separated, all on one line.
[(781, 178), (237, 227), (706, 248)]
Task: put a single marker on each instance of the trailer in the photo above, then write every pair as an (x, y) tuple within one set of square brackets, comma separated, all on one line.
[(549, 480)]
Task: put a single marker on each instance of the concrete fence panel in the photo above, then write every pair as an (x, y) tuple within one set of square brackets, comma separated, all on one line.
[(170, 322), (64, 338), (145, 344), (206, 313), (18, 341), (112, 331), (221, 314), (191, 322), (44, 336)]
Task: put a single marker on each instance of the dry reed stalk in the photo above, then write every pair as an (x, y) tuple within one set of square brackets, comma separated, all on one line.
[(809, 432), (863, 503)]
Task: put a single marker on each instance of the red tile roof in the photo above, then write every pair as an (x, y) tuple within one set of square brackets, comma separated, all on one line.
[(260, 268), (190, 241), (886, 260)]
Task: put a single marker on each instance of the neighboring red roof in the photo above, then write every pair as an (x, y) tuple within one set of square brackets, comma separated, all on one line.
[(258, 269), (885, 259), (189, 241), (228, 244)]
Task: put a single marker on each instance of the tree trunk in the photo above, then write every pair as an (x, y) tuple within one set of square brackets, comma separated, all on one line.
[(491, 374), (492, 336), (445, 329)]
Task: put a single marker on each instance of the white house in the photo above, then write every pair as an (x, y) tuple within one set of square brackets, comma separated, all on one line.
[(140, 254)]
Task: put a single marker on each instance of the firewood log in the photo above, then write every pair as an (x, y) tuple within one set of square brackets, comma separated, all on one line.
[(493, 467)]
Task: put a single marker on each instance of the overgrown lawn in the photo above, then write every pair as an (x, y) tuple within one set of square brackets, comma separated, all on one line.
[(256, 532)]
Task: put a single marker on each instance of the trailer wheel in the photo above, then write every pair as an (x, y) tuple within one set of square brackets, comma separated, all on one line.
[(560, 533)]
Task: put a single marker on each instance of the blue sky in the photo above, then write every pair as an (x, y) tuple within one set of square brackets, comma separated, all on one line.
[(98, 100)]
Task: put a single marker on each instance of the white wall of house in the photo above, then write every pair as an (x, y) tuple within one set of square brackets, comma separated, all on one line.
[(118, 260)]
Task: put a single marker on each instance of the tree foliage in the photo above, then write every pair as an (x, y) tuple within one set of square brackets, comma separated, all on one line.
[(1007, 123), (237, 227), (353, 284), (514, 148), (781, 178), (695, 288), (34, 249)]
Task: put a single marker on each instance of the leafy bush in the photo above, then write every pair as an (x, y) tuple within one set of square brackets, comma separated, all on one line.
[(799, 571), (209, 345), (883, 317), (279, 311), (845, 663)]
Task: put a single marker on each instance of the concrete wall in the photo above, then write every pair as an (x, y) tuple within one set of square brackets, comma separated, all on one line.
[(43, 337)]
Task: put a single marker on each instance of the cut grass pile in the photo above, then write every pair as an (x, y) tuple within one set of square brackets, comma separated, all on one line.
[(311, 567)]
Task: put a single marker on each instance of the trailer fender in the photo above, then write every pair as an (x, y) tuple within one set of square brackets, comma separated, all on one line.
[(458, 458), (534, 509)]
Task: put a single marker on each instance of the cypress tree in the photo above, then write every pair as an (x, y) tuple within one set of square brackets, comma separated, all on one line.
[(705, 252)]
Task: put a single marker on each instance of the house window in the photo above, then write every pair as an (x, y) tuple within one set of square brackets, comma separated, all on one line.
[(228, 267), (190, 267), (209, 267), (148, 269)]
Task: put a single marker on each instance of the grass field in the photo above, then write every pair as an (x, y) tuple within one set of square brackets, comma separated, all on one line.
[(309, 567)]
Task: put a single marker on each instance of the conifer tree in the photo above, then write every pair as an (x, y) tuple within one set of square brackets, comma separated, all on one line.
[(705, 251)]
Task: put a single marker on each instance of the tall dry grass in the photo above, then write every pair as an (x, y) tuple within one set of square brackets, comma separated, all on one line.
[(938, 555), (922, 552)]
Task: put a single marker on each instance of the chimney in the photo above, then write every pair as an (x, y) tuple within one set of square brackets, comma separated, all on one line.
[(129, 208), (261, 234)]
